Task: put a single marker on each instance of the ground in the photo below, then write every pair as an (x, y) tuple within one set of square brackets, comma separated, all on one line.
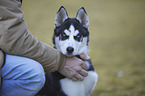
[(117, 39)]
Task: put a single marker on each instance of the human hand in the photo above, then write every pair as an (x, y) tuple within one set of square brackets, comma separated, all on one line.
[(75, 68), (85, 57)]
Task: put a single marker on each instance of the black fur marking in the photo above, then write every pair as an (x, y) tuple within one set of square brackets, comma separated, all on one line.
[(91, 67), (52, 85)]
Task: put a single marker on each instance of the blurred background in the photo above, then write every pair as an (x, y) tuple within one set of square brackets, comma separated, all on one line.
[(117, 39)]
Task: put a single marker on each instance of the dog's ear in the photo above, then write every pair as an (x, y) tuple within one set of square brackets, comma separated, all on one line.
[(83, 17), (61, 16)]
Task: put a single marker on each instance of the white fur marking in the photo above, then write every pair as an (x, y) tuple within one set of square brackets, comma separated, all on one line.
[(76, 33), (66, 32), (80, 88)]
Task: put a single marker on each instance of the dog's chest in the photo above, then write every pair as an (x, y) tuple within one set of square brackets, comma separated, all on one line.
[(79, 88)]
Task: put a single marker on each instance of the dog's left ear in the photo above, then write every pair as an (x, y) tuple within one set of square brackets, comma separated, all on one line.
[(83, 17), (61, 16)]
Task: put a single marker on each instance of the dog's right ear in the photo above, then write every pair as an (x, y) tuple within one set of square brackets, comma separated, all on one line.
[(61, 16)]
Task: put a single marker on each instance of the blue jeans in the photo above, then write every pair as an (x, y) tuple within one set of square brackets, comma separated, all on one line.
[(21, 76)]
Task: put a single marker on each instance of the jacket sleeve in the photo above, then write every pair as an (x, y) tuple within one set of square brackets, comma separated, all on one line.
[(15, 39)]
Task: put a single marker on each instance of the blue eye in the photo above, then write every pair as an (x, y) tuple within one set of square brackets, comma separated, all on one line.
[(63, 36), (78, 37)]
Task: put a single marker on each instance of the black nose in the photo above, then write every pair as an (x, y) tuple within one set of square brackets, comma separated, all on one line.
[(70, 49)]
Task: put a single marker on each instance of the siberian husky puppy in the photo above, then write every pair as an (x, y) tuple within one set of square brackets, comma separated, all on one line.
[(71, 37)]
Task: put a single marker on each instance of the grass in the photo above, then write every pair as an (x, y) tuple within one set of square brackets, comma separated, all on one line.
[(117, 39)]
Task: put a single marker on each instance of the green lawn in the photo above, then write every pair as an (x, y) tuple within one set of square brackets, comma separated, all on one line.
[(117, 39)]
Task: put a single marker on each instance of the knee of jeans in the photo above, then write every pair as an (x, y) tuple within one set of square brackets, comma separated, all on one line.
[(38, 73), (23, 73)]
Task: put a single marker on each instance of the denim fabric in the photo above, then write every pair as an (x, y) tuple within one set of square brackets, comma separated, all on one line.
[(21, 76)]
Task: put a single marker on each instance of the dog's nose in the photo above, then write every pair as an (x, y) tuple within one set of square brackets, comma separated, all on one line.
[(70, 49)]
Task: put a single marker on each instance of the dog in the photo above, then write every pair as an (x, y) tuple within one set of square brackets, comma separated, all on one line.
[(71, 37)]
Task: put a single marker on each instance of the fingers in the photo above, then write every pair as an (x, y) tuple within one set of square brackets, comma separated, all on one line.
[(80, 75), (85, 57), (84, 66), (84, 73), (77, 77), (73, 78)]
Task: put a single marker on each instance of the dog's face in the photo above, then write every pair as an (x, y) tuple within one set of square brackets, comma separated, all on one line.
[(71, 35)]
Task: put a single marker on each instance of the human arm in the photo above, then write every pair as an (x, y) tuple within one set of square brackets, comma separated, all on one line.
[(15, 39)]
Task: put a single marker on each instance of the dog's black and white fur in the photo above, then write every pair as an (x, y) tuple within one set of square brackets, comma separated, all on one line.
[(71, 37)]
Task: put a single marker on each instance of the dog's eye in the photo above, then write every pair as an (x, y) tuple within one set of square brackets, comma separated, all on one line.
[(63, 36), (78, 38)]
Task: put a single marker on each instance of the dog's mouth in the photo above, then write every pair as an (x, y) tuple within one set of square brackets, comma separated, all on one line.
[(69, 55)]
